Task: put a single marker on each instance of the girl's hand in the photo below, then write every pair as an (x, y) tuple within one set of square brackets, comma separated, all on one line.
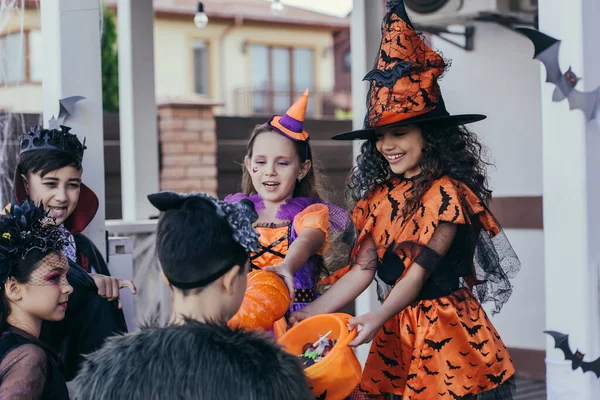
[(109, 286), (370, 323), (286, 275), (298, 316)]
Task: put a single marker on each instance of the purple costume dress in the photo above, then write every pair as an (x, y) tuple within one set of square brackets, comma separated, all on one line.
[(276, 238)]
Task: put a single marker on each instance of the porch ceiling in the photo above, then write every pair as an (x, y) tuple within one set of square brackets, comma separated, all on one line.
[(248, 10)]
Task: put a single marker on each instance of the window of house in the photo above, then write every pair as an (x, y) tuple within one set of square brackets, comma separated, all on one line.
[(35, 56), (21, 57), (348, 61), (12, 59), (278, 76), (200, 48)]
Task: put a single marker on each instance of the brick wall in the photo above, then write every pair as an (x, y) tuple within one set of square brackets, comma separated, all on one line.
[(188, 146)]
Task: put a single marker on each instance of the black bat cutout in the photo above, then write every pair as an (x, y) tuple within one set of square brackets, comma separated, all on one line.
[(376, 380), (425, 309), (390, 376), (497, 379), (424, 358), (411, 376), (449, 377), (464, 354), (390, 362), (452, 366), (454, 395), (416, 390), (387, 77), (437, 345), (441, 394), (445, 201), (561, 341), (395, 207), (432, 321), (468, 387), (546, 51), (429, 372), (410, 332), (66, 107), (473, 329), (478, 346), (447, 383)]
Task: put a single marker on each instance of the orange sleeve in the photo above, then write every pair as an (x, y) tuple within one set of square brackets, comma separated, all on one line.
[(315, 216)]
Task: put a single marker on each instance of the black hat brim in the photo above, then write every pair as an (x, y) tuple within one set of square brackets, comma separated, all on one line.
[(441, 121)]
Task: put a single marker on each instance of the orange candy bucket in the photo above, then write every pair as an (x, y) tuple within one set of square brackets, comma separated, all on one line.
[(339, 372)]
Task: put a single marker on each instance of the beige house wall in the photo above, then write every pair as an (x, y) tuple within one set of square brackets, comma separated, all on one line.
[(228, 57)]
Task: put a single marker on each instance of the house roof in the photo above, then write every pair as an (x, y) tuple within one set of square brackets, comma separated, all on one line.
[(247, 10)]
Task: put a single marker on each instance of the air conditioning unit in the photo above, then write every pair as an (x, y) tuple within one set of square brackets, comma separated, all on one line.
[(448, 12)]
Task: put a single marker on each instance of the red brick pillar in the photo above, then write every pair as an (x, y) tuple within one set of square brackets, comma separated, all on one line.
[(188, 146)]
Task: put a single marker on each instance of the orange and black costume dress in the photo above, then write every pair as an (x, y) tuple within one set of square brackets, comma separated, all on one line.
[(297, 213), (443, 346)]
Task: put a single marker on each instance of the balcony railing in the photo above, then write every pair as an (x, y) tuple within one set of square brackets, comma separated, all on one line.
[(249, 101)]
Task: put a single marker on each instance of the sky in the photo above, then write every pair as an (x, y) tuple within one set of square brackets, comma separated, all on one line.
[(339, 8)]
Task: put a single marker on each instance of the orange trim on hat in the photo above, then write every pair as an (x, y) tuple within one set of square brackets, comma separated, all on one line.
[(292, 123)]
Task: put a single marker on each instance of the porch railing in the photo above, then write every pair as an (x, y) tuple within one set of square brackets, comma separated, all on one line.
[(153, 299), (250, 101)]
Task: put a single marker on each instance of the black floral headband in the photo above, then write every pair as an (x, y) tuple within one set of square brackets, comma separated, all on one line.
[(25, 227), (240, 215)]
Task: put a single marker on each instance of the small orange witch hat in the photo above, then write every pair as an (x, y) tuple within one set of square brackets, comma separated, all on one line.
[(291, 124), (403, 86)]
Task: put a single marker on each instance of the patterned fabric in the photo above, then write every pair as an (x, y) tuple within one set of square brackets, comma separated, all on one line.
[(443, 346), (70, 250), (275, 239)]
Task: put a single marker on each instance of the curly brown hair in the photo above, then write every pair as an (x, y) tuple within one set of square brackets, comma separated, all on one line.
[(451, 151)]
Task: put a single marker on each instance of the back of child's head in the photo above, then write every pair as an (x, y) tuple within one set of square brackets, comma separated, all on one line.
[(309, 186), (200, 238), (191, 361)]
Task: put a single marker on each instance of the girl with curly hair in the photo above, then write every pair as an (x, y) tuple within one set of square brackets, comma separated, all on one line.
[(425, 234)]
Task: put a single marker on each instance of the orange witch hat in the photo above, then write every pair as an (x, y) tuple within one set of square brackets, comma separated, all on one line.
[(292, 123), (404, 87)]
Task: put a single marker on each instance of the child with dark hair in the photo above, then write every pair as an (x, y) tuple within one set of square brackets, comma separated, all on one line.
[(421, 191), (49, 173), (34, 288), (203, 246)]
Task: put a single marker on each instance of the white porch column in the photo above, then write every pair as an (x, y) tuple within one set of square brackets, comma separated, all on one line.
[(571, 161), (365, 37), (71, 54), (137, 108)]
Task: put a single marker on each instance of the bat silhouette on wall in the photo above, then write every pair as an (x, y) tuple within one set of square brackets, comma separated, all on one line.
[(546, 51), (561, 341)]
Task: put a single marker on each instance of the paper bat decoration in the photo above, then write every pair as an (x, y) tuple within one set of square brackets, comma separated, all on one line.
[(546, 51), (561, 341), (67, 105)]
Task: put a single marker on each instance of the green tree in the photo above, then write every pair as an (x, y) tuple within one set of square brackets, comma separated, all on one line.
[(110, 63)]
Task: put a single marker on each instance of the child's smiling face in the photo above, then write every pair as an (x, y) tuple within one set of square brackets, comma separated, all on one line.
[(275, 167), (58, 190)]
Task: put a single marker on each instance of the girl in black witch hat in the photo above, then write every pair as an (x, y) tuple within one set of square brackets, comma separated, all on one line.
[(426, 236), (49, 171), (33, 288)]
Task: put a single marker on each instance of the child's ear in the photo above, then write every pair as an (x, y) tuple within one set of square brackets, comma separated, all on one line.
[(25, 183), (165, 279), (247, 163), (12, 290), (229, 279), (305, 169)]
